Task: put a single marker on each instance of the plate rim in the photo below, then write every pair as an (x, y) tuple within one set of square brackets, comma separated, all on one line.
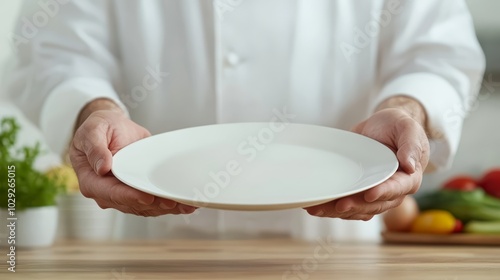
[(255, 206)]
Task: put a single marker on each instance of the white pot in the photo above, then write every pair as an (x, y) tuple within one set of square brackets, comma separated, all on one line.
[(82, 218), (34, 227)]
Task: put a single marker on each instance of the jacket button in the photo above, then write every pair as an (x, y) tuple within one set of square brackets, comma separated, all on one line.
[(232, 59)]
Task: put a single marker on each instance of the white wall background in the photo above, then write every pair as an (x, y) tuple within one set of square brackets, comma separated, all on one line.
[(486, 16), (29, 133), (8, 12)]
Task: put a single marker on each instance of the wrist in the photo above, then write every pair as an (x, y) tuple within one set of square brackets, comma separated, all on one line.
[(409, 105), (101, 104)]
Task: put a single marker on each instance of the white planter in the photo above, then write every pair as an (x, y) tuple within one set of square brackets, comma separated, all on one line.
[(34, 227), (81, 218)]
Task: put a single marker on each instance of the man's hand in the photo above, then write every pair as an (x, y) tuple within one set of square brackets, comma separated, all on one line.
[(399, 124), (103, 129)]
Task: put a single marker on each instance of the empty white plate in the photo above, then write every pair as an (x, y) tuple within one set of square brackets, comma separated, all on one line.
[(254, 166)]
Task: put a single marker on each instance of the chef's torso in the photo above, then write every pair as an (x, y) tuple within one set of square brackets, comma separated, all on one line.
[(205, 62)]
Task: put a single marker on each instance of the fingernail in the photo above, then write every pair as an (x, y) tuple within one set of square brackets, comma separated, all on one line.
[(413, 163), (168, 205), (185, 209), (320, 213), (98, 165)]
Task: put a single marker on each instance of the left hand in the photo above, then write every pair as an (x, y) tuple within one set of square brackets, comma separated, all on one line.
[(405, 135)]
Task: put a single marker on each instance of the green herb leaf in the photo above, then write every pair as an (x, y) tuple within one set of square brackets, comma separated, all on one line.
[(32, 188)]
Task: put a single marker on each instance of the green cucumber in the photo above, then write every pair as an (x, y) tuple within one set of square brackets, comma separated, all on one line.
[(482, 227), (465, 206)]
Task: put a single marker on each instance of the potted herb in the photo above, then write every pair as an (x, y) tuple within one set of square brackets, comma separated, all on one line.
[(27, 195)]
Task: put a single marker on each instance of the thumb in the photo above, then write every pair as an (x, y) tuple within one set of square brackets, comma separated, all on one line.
[(410, 149), (94, 144)]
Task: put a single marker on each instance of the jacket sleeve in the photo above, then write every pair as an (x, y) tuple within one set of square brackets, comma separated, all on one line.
[(429, 51), (66, 57)]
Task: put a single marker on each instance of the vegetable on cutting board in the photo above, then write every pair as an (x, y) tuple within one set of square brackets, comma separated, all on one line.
[(461, 183), (491, 182), (401, 217), (490, 227), (463, 204), (435, 222), (466, 206)]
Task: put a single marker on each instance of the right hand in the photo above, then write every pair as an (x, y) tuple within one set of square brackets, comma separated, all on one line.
[(97, 139)]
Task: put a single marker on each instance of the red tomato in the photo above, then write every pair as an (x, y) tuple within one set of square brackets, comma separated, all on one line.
[(461, 183), (491, 182), (459, 226)]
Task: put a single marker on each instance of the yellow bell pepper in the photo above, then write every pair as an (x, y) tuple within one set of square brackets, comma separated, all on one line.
[(434, 222)]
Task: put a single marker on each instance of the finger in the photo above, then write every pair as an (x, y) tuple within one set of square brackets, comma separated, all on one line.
[(167, 204), (79, 160), (359, 217), (91, 139), (398, 185), (409, 144), (110, 192), (119, 194), (136, 133), (186, 209), (321, 210), (164, 204), (180, 210), (108, 188), (146, 211), (332, 209), (355, 205), (374, 208)]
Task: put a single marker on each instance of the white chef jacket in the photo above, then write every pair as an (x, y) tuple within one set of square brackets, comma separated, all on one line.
[(175, 64)]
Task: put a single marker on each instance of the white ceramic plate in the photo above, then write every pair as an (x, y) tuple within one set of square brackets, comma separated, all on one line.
[(254, 166)]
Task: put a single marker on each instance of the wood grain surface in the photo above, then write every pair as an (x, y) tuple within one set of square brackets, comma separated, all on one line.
[(253, 259), (454, 239)]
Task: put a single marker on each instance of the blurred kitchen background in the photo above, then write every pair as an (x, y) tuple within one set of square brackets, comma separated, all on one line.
[(479, 149)]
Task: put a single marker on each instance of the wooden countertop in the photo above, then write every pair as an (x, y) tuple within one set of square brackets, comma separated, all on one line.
[(252, 259)]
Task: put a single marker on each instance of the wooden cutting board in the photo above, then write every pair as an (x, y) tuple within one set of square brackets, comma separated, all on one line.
[(455, 239)]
